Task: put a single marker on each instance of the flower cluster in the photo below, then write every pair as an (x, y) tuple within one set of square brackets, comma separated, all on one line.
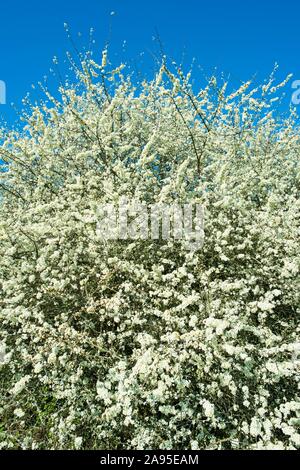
[(141, 344)]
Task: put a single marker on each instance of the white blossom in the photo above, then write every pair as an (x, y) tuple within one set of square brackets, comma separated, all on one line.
[(142, 344)]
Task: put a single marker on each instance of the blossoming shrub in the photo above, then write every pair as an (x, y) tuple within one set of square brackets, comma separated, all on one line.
[(142, 344)]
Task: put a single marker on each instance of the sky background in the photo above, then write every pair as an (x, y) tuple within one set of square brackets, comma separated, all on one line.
[(239, 38)]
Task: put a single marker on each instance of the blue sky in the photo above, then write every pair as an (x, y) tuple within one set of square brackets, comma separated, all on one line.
[(240, 38)]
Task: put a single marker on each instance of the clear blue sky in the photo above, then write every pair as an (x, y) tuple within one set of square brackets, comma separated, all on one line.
[(242, 38)]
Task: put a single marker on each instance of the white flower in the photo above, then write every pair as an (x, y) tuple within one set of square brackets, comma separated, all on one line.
[(193, 321), (20, 385), (2, 353), (38, 368), (296, 439), (19, 413), (209, 409), (52, 358), (265, 306), (255, 427), (195, 445), (104, 58), (78, 443)]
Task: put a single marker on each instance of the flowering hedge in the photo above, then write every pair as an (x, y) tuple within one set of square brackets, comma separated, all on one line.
[(142, 344)]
